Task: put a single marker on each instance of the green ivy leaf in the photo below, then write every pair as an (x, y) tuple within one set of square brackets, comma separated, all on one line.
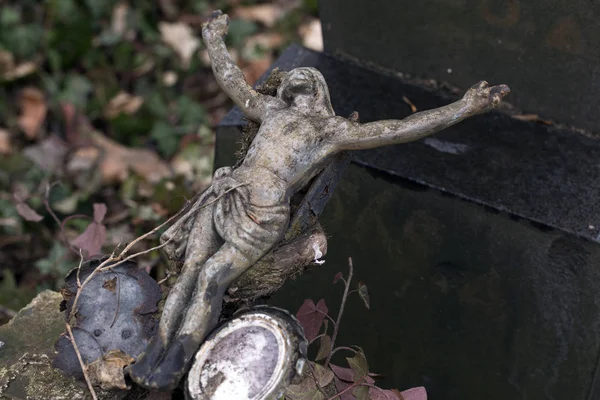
[(324, 348), (361, 393), (190, 112), (307, 389), (9, 16), (166, 138), (50, 264), (363, 292), (11, 295), (359, 365), (100, 8), (66, 11), (23, 40), (156, 105), (239, 30), (76, 89)]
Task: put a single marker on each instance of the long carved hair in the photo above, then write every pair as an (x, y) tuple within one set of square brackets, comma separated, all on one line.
[(321, 100), (274, 85)]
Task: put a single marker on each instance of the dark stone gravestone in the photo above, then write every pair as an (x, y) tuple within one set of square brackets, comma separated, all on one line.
[(479, 247), (548, 51)]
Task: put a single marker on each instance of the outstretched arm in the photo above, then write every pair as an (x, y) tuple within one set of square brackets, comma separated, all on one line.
[(479, 98), (230, 77)]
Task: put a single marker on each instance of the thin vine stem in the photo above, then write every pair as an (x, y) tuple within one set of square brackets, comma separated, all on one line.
[(336, 325)]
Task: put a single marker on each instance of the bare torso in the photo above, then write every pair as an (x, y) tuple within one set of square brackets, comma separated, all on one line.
[(275, 173)]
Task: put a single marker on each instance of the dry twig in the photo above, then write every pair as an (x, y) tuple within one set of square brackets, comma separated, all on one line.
[(81, 363), (413, 108)]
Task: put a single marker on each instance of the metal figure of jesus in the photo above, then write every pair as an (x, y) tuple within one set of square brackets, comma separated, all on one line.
[(246, 210)]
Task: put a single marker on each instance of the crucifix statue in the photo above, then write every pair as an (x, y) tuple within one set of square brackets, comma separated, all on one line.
[(246, 210)]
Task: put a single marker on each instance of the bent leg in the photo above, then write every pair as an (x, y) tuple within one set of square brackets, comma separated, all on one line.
[(203, 312), (202, 243), (201, 247)]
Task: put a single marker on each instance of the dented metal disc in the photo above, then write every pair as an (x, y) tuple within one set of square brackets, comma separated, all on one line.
[(253, 356), (114, 312)]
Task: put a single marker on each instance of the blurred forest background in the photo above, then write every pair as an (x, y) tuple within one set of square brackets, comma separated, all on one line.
[(107, 117)]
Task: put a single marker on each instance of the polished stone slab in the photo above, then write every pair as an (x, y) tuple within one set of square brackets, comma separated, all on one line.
[(547, 50)]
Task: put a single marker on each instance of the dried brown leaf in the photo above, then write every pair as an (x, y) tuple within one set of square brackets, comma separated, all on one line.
[(533, 118), (110, 285), (256, 68), (413, 108), (123, 103), (118, 160), (311, 34), (27, 212), (32, 104), (264, 40), (10, 71), (5, 143), (107, 372), (119, 18), (180, 37), (267, 14)]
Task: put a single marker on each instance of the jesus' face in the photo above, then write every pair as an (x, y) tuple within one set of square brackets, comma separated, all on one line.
[(306, 90)]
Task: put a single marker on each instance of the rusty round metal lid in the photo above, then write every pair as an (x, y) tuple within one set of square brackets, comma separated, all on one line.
[(251, 357)]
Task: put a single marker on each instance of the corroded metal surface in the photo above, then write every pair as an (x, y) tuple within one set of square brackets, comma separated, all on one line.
[(115, 311), (251, 357)]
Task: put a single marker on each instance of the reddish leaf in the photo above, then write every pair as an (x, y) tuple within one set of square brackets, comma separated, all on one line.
[(92, 239), (322, 307), (363, 292), (340, 386), (345, 374), (94, 236), (311, 317), (337, 277), (382, 394), (99, 212), (28, 213), (416, 393)]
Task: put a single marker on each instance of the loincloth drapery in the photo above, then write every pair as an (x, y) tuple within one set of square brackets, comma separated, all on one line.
[(252, 229)]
